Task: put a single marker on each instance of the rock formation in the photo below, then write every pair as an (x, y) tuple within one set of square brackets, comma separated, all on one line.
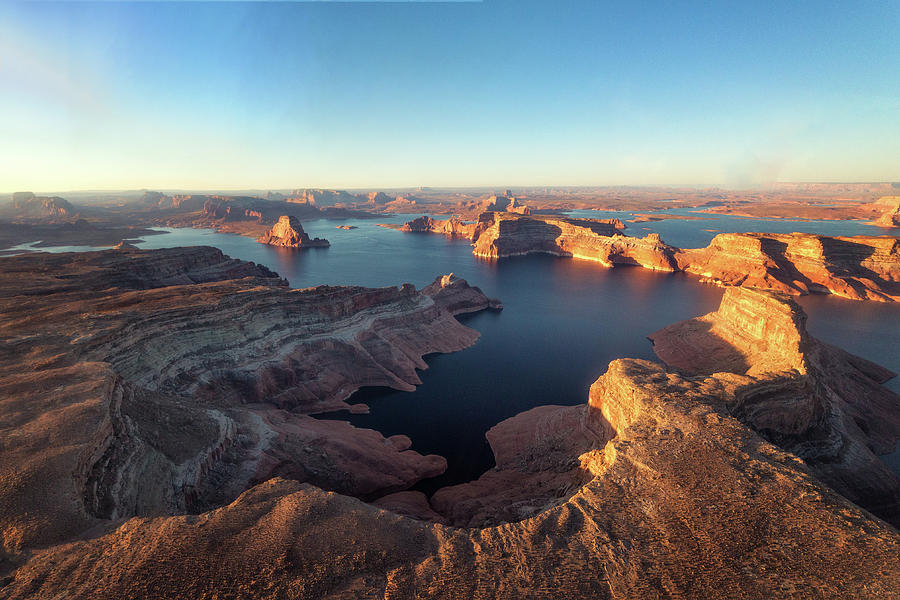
[(190, 378), (858, 268), (288, 233), (504, 234), (26, 205), (891, 215), (810, 398), (451, 227), (676, 498)]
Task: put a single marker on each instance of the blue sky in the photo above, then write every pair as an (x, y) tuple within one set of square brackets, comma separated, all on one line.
[(372, 94)]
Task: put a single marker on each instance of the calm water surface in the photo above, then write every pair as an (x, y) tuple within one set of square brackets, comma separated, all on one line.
[(563, 321)]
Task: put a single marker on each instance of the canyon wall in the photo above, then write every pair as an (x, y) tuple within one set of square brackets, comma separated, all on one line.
[(857, 268), (169, 381)]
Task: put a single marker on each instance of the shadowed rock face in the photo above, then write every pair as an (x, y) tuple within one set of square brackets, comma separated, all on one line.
[(169, 381), (821, 403), (25, 205), (288, 233), (858, 268)]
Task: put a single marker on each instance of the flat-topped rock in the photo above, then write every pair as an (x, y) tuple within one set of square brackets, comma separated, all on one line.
[(288, 233)]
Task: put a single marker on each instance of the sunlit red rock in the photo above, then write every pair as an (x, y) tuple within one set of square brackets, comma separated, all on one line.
[(288, 233)]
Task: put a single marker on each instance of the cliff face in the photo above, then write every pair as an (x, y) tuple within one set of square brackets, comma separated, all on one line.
[(288, 233), (451, 227), (677, 498), (890, 217), (145, 398), (503, 234), (28, 206), (858, 268), (169, 381), (812, 399)]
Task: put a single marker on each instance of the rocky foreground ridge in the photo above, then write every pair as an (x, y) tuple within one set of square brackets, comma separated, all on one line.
[(169, 381), (669, 482), (858, 268)]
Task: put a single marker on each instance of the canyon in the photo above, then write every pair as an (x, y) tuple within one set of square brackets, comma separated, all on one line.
[(857, 268), (174, 389)]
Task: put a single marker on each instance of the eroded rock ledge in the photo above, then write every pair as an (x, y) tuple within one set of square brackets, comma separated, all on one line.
[(858, 268), (678, 499), (660, 486), (169, 381)]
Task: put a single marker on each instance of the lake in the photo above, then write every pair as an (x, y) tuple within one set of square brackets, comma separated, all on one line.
[(563, 321)]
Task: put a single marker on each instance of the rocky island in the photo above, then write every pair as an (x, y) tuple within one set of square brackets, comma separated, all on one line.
[(857, 268), (288, 233), (177, 402)]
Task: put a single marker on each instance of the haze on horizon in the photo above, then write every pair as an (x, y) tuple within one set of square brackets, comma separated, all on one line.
[(450, 94)]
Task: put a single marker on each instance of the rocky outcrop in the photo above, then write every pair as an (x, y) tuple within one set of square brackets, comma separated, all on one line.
[(890, 217), (812, 399), (858, 268), (322, 197), (169, 381), (679, 499), (26, 205), (504, 234), (288, 233), (451, 227)]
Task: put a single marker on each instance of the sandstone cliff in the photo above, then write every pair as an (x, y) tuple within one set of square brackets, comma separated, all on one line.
[(288, 233), (889, 206), (810, 398), (858, 268), (145, 397), (451, 227), (168, 381), (678, 500)]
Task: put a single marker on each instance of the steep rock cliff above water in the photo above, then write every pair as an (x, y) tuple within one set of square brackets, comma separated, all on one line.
[(681, 501), (857, 268), (288, 233), (169, 381), (819, 402)]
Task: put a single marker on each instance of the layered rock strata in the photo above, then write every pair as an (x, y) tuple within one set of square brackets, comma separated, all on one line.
[(890, 217), (817, 401), (857, 268), (169, 381), (288, 233), (451, 227), (680, 500)]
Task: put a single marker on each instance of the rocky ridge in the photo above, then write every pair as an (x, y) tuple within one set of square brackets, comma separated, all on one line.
[(169, 381), (857, 268), (810, 398), (668, 494)]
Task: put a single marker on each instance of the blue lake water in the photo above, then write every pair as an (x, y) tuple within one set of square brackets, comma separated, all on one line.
[(563, 321)]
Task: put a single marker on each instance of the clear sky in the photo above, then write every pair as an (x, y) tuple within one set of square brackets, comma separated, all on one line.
[(497, 93)]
